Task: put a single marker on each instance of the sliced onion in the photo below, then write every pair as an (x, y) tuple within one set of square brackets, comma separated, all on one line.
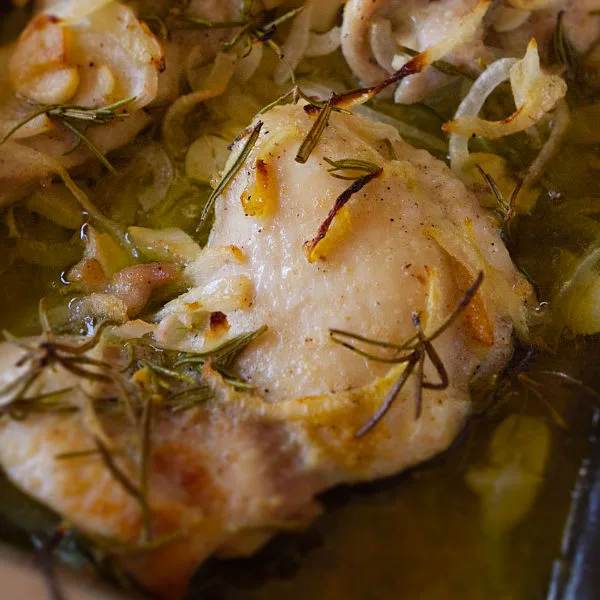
[(45, 253), (247, 65), (295, 44), (162, 172), (206, 157), (355, 40), (532, 4), (170, 244), (465, 32), (174, 130), (322, 44), (359, 53), (472, 103), (508, 19), (383, 44), (324, 15), (197, 68), (75, 10), (578, 299), (56, 203), (535, 94)]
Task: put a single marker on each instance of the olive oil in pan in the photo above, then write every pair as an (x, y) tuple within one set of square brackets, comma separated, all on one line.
[(422, 534), (485, 519)]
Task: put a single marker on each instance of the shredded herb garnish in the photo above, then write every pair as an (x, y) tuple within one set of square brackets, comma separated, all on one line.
[(69, 115), (358, 184), (413, 352), (229, 175)]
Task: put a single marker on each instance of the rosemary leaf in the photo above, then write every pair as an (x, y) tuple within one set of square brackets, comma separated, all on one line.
[(314, 135), (36, 113), (77, 454), (413, 352), (222, 185), (67, 114), (193, 22), (91, 146), (144, 450), (224, 356), (159, 370), (389, 400), (290, 14), (350, 164)]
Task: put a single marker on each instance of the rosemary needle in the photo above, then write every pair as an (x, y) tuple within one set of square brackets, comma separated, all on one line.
[(413, 352), (68, 115), (229, 175), (314, 135)]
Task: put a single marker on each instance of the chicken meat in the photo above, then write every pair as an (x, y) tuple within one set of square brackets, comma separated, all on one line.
[(228, 473)]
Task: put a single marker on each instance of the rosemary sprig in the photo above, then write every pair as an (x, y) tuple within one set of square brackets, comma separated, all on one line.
[(268, 29), (77, 454), (293, 96), (223, 356), (350, 165), (173, 390), (229, 175), (68, 115), (129, 486), (413, 352)]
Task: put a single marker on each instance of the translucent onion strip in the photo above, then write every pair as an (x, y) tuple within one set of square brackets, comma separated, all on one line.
[(321, 44), (496, 73), (535, 94), (295, 45)]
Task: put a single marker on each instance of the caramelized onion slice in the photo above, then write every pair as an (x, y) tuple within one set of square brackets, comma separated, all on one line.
[(535, 93)]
